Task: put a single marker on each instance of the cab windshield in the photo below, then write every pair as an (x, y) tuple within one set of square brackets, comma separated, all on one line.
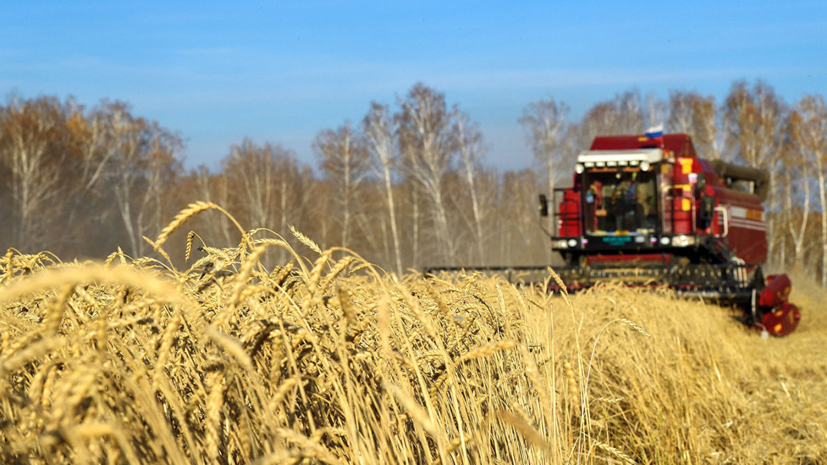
[(620, 201)]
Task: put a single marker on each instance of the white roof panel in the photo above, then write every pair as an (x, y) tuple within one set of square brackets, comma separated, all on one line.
[(650, 155)]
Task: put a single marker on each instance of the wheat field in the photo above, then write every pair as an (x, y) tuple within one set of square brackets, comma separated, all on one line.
[(327, 359)]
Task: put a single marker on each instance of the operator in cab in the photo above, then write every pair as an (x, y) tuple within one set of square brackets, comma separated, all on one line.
[(620, 201), (624, 205)]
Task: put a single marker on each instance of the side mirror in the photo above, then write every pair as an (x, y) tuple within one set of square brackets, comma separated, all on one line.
[(543, 205), (707, 208)]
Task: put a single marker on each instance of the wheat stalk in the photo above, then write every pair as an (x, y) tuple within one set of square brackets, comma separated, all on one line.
[(215, 400), (417, 413)]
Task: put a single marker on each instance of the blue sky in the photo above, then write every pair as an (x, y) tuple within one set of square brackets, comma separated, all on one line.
[(281, 71)]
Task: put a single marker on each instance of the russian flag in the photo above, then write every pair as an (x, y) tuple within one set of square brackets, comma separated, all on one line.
[(655, 132)]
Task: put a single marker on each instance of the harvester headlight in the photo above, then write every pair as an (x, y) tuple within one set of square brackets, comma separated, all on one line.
[(572, 242), (683, 241), (664, 240), (644, 165), (560, 244), (579, 168)]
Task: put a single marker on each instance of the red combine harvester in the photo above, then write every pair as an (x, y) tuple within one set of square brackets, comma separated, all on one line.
[(647, 211)]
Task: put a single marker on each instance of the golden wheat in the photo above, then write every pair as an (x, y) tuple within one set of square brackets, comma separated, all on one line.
[(315, 362)]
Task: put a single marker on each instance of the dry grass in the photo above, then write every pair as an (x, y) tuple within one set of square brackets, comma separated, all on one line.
[(314, 362)]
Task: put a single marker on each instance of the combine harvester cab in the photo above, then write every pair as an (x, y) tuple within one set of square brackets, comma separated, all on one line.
[(647, 211)]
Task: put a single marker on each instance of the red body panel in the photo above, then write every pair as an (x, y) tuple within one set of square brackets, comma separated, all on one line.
[(679, 144), (747, 232), (569, 220)]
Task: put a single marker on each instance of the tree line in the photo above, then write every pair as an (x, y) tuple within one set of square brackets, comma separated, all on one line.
[(407, 186)]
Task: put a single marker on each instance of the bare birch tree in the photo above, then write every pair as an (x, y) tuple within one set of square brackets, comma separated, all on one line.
[(692, 113), (215, 189), (813, 111), (251, 171), (123, 146), (470, 148), (681, 112), (268, 188), (161, 168), (629, 115), (30, 132), (138, 158), (97, 151), (656, 110), (426, 142), (619, 116), (544, 122), (343, 159), (797, 165), (523, 242), (378, 129)]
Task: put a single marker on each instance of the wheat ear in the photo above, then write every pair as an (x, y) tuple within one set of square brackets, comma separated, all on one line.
[(188, 251), (305, 240), (187, 213), (231, 347), (614, 451)]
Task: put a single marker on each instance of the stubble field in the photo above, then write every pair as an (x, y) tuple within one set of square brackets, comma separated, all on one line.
[(326, 359)]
